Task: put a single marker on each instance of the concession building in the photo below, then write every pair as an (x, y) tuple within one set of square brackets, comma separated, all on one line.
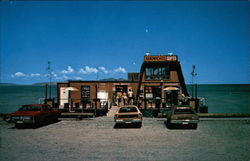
[(159, 84)]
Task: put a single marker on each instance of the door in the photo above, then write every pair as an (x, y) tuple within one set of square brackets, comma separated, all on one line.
[(171, 97), (64, 96)]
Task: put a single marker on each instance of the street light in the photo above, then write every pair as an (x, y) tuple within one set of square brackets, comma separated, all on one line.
[(194, 74)]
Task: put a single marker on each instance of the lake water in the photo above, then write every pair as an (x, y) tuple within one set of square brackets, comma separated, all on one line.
[(220, 98)]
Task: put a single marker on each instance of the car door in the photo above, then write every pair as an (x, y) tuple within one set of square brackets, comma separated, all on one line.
[(46, 113)]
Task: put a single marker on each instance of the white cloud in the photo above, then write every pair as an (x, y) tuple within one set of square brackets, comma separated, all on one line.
[(69, 70), (65, 77), (18, 74), (120, 70), (88, 70), (53, 75), (78, 78), (104, 70), (35, 74)]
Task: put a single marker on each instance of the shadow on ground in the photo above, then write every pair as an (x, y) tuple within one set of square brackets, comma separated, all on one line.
[(127, 126), (35, 126), (180, 127)]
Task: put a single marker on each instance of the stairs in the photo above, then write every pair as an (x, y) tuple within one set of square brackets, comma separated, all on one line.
[(112, 111)]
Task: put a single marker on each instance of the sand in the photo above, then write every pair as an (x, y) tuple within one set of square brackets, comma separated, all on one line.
[(96, 139)]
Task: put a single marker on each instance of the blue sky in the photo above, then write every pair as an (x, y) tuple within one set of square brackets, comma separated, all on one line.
[(92, 40)]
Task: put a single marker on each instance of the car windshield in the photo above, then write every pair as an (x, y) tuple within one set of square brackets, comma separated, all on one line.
[(128, 109), (183, 111), (30, 108)]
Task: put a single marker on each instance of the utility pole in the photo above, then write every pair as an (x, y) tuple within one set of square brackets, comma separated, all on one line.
[(50, 77)]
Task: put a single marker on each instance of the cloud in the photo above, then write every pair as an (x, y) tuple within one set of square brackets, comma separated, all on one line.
[(53, 75), (35, 74), (88, 70), (18, 74), (120, 70), (65, 77), (103, 70), (69, 70), (78, 78)]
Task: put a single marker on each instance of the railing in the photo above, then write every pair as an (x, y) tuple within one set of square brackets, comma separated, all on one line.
[(73, 104)]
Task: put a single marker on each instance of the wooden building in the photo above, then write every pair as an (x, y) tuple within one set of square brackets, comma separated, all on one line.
[(159, 84)]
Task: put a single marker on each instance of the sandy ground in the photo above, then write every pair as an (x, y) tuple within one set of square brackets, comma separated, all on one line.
[(96, 139)]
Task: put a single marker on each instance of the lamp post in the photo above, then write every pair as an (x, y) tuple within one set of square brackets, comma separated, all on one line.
[(95, 98), (193, 73), (162, 92)]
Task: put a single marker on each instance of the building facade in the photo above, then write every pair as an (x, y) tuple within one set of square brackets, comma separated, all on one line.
[(159, 84)]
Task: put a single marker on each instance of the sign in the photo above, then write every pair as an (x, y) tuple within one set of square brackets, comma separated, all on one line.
[(160, 58), (149, 95)]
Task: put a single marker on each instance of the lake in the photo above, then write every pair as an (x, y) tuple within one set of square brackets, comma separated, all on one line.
[(219, 98)]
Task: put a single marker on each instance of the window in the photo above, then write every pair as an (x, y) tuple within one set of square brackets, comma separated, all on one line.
[(128, 109), (152, 92), (157, 73), (149, 73), (30, 108), (85, 92), (183, 111)]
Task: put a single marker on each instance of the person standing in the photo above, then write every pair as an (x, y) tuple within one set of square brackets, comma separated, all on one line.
[(130, 96), (125, 99)]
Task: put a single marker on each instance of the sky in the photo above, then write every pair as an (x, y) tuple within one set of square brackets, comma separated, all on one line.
[(93, 40)]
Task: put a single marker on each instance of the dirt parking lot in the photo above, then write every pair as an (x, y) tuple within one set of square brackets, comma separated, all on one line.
[(96, 139)]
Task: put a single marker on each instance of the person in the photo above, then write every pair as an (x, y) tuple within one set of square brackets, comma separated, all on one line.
[(125, 98), (119, 98), (130, 96)]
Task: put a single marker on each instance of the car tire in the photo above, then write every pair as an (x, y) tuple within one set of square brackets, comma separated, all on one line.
[(18, 126), (138, 125), (194, 126), (168, 124)]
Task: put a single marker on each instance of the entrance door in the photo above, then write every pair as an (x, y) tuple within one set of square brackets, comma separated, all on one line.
[(153, 96), (64, 96), (171, 97)]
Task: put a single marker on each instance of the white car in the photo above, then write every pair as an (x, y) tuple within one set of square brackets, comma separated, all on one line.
[(129, 114)]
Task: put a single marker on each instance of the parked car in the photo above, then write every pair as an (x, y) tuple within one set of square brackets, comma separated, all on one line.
[(182, 115), (128, 114), (34, 114)]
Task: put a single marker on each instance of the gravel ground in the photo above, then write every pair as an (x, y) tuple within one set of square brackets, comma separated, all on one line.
[(96, 139)]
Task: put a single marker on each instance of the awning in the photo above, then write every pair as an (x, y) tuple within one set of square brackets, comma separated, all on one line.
[(171, 89), (72, 89)]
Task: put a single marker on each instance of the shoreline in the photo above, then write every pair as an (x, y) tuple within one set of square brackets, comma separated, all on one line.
[(201, 115)]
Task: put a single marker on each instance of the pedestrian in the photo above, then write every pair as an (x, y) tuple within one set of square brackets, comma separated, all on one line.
[(130, 96), (125, 99), (119, 98)]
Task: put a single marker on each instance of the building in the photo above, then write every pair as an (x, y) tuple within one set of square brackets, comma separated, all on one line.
[(159, 84)]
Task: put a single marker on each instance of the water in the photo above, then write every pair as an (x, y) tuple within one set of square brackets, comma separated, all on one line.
[(12, 97), (225, 98), (220, 98)]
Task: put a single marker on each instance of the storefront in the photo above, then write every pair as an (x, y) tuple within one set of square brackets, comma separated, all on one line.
[(159, 84)]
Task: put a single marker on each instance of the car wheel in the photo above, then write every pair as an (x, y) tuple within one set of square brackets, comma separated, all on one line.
[(18, 126), (168, 124), (36, 124), (138, 125), (194, 126)]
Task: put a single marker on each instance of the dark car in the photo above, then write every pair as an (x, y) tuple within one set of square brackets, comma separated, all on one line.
[(34, 115), (128, 114), (182, 115)]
